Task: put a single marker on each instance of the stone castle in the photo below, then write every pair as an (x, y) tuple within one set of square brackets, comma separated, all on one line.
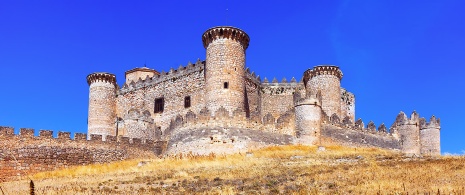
[(220, 106), (212, 106)]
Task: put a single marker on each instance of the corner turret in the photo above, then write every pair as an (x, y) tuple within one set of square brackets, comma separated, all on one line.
[(224, 68), (102, 104), (326, 79), (142, 73), (430, 136), (407, 130), (308, 118)]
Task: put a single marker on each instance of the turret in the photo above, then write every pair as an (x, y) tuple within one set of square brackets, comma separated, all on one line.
[(139, 73), (326, 79), (430, 136), (308, 117), (224, 69), (102, 104), (407, 130)]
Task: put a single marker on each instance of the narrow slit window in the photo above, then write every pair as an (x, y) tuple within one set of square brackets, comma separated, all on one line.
[(159, 105), (187, 101), (226, 85)]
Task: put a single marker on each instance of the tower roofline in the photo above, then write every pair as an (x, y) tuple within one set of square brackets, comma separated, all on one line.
[(101, 76), (225, 32), (322, 70), (142, 69)]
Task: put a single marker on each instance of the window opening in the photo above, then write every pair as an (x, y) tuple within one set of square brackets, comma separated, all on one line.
[(225, 85), (159, 105), (187, 101)]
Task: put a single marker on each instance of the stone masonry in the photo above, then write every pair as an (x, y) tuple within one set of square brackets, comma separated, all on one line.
[(220, 106), (24, 154)]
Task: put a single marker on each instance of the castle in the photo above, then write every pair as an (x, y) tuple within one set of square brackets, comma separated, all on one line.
[(220, 106)]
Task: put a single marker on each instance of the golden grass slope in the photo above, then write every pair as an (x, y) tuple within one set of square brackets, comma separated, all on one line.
[(272, 170)]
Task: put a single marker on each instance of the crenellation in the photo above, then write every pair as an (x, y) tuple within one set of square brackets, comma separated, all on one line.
[(359, 125), (382, 128), (26, 132), (7, 131), (371, 127), (45, 153), (46, 134), (64, 135), (80, 137)]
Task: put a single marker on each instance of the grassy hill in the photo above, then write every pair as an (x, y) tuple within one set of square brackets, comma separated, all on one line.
[(273, 170)]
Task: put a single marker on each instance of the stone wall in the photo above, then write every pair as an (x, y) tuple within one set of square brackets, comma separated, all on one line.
[(253, 94), (277, 98), (172, 86), (334, 134), (25, 154), (347, 105)]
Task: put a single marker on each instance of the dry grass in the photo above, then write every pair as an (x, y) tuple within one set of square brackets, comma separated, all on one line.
[(272, 170)]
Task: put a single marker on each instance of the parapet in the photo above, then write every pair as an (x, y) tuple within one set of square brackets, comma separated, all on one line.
[(225, 32), (432, 124), (402, 119), (322, 70), (101, 76), (173, 74), (65, 138)]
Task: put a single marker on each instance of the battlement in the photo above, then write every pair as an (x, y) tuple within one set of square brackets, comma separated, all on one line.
[(102, 77), (225, 32), (322, 70), (432, 124), (252, 77), (172, 74), (28, 133), (402, 119), (284, 81), (222, 118)]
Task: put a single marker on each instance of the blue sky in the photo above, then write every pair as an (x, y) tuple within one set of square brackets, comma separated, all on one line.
[(395, 55)]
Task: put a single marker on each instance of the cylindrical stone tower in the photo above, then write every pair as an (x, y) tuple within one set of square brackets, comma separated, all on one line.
[(102, 104), (430, 137), (224, 69), (326, 79), (407, 130), (308, 120)]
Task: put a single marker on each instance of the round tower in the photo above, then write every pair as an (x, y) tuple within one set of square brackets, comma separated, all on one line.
[(407, 130), (224, 69), (102, 104), (308, 120), (326, 79), (430, 137)]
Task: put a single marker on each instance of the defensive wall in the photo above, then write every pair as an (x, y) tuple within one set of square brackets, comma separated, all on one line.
[(23, 154)]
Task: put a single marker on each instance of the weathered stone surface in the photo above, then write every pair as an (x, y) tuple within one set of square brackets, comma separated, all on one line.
[(24, 153)]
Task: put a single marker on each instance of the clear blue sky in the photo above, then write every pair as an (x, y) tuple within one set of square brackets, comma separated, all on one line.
[(395, 55)]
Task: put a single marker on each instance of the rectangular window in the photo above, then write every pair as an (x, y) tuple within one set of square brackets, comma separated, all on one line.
[(225, 85), (159, 105), (187, 101)]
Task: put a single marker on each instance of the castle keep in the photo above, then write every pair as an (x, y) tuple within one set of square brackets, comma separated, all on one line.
[(220, 106)]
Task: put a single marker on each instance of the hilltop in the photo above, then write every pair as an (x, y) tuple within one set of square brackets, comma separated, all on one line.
[(272, 170)]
